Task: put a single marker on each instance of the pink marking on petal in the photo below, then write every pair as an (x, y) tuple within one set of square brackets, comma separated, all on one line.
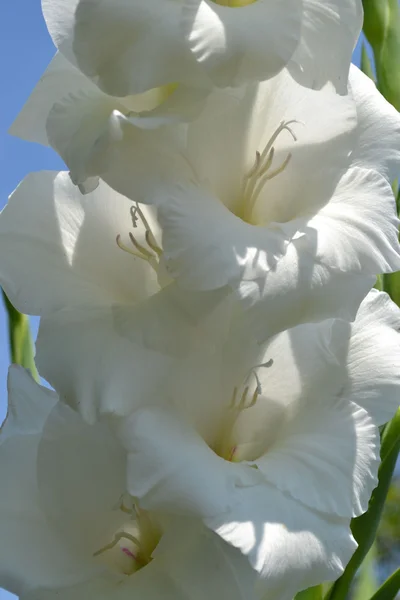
[(128, 553)]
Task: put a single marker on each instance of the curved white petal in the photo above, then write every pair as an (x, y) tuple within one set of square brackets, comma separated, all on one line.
[(171, 468), (291, 546), (326, 456), (330, 30), (69, 112), (149, 583), (373, 357), (189, 562), (281, 281), (111, 43), (60, 79), (74, 126), (378, 127), (96, 368), (114, 359), (58, 248), (206, 246), (357, 231), (81, 477), (203, 565), (237, 45), (137, 156), (123, 140), (309, 442), (31, 552)]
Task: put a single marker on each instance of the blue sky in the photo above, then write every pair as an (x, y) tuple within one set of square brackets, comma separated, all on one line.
[(25, 51)]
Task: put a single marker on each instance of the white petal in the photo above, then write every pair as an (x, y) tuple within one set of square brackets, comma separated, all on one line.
[(326, 456), (291, 546), (245, 43), (358, 229), (378, 127), (29, 405), (373, 358), (31, 552), (110, 42), (60, 17), (150, 582), (91, 130), (171, 468), (206, 247), (203, 565), (309, 442), (131, 154), (94, 367), (74, 126), (333, 25), (59, 248), (59, 79), (81, 477), (113, 359), (69, 112), (189, 563)]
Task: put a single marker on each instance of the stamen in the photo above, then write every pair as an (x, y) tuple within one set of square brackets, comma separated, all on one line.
[(125, 248), (151, 241), (232, 403), (120, 505), (141, 248), (141, 251), (242, 403), (259, 174)]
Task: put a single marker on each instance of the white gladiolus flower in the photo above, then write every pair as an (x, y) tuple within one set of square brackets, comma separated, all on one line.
[(68, 528), (128, 47), (286, 449), (289, 191), (240, 198)]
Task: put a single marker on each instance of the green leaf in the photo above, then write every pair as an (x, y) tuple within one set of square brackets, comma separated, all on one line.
[(389, 589), (21, 346), (364, 528), (382, 30), (314, 593), (366, 65)]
